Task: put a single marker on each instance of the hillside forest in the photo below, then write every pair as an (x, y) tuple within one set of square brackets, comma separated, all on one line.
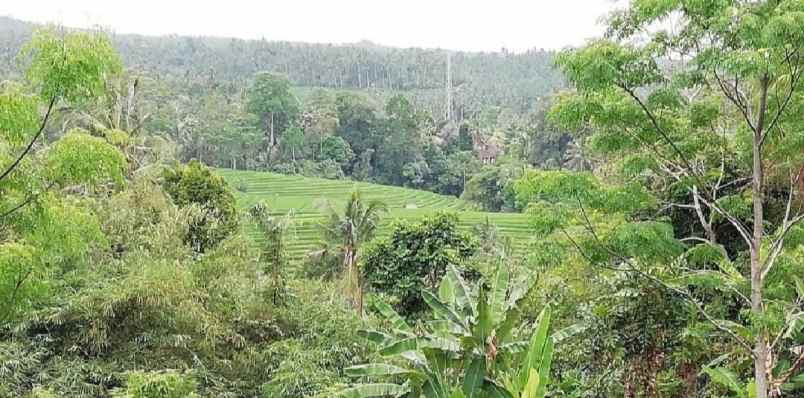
[(213, 217)]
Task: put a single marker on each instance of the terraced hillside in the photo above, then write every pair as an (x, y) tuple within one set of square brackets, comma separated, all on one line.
[(301, 196)]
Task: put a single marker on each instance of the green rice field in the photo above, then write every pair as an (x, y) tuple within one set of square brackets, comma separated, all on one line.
[(301, 197)]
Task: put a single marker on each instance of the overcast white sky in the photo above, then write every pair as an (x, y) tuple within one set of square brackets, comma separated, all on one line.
[(472, 25)]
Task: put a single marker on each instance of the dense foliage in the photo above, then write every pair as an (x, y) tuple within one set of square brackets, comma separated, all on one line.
[(196, 185), (662, 194), (471, 348), (414, 258), (379, 115)]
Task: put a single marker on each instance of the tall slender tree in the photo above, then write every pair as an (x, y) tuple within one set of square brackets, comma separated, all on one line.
[(270, 99), (347, 230), (688, 103)]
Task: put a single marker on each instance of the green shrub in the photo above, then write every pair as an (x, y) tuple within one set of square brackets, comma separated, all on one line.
[(321, 341), (197, 185), (414, 258), (300, 373), (168, 384), (18, 363), (39, 392)]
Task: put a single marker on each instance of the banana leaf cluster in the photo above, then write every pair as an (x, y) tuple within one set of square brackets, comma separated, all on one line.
[(472, 347)]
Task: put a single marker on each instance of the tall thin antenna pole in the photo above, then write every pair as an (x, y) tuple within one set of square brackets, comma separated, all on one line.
[(449, 86)]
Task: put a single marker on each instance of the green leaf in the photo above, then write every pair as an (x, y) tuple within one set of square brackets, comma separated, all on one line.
[(396, 348), (799, 287), (374, 336), (538, 343), (389, 314), (515, 347), (729, 269), (493, 390), (567, 332), (499, 292), (473, 379), (375, 369), (544, 368), (741, 330), (795, 323), (726, 378), (483, 326), (531, 385), (457, 394), (519, 290), (540, 339), (79, 158), (19, 117), (441, 309), (374, 390), (444, 344), (511, 320), (461, 289), (73, 66), (446, 291)]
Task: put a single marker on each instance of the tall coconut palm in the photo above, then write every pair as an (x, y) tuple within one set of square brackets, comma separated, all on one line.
[(347, 230), (273, 252)]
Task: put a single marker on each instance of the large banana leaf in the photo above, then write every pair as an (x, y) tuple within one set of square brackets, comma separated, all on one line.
[(374, 336), (446, 292), (460, 289), (376, 369), (397, 322), (544, 368), (538, 359), (442, 310), (511, 320), (400, 346), (499, 294), (473, 379), (484, 325), (532, 385), (374, 390)]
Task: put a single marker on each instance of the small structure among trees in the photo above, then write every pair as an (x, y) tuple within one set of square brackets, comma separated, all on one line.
[(486, 150)]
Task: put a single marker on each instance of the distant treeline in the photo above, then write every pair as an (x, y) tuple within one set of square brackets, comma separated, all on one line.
[(480, 80)]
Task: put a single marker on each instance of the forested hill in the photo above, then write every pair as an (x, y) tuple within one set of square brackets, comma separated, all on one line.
[(503, 79)]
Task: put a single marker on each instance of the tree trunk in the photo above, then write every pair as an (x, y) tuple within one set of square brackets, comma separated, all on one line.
[(271, 141), (688, 375), (630, 389), (355, 291), (359, 293), (760, 344)]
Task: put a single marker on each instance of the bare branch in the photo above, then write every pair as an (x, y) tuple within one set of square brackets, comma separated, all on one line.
[(707, 226), (794, 368), (33, 141), (660, 130), (787, 224), (795, 78), (25, 202), (741, 228), (633, 268), (735, 99)]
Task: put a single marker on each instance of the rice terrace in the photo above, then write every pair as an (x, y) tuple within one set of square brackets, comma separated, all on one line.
[(301, 197)]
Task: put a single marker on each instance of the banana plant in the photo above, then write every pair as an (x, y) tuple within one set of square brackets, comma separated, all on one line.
[(471, 348)]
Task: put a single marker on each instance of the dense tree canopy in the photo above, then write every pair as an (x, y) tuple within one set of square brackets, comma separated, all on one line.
[(709, 112)]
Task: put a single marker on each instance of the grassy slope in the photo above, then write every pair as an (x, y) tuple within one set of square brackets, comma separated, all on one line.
[(302, 196)]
